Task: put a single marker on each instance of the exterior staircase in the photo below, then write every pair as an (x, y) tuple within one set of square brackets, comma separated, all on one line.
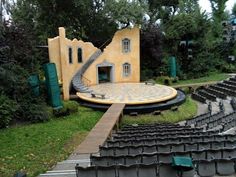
[(77, 80)]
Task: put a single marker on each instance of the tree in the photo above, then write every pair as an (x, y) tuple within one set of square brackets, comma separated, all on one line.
[(124, 12), (218, 8), (234, 10)]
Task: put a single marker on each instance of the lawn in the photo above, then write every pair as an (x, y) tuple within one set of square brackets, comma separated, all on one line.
[(185, 111), (36, 148), (211, 77)]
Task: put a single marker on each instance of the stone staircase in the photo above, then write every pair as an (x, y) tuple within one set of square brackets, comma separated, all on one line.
[(77, 80)]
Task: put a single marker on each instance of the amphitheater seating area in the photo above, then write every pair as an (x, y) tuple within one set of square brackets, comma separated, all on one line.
[(220, 90), (148, 150)]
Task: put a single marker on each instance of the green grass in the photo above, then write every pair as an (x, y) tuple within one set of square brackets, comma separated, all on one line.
[(211, 77), (36, 148), (185, 111)]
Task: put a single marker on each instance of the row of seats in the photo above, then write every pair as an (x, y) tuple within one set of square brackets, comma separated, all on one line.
[(153, 128), (224, 90), (159, 140), (197, 118), (222, 84), (146, 158), (227, 125), (171, 147), (230, 82), (198, 97), (217, 93), (204, 168), (158, 125), (207, 119), (162, 135), (207, 95), (221, 120)]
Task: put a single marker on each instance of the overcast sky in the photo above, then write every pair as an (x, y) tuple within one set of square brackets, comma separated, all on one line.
[(205, 4)]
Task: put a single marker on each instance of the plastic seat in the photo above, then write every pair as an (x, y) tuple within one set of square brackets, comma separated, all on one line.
[(107, 151), (108, 171), (149, 158), (198, 155), (229, 153), (101, 161), (149, 142), (230, 144), (166, 170), (217, 144), (135, 150), (165, 157), (163, 148), (149, 149), (177, 148), (149, 170), (206, 168), (220, 138), (213, 154), (85, 172), (121, 151), (204, 145), (128, 171), (191, 147), (225, 167), (130, 160)]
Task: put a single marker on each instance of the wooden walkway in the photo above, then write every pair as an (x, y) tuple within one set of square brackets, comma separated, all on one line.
[(103, 129)]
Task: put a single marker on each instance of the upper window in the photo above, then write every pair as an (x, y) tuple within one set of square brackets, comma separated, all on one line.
[(80, 59), (126, 69), (126, 45), (70, 55)]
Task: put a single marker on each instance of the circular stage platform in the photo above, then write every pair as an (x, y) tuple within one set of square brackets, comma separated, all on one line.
[(129, 93), (138, 97)]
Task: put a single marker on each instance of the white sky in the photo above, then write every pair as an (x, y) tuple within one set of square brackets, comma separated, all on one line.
[(205, 5)]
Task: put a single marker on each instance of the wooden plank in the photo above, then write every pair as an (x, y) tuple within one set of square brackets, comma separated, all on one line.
[(102, 130)]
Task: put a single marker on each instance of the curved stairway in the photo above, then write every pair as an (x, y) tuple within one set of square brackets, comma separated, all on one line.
[(77, 82)]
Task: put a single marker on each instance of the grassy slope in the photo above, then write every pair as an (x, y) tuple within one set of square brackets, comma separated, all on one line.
[(35, 148), (186, 110), (211, 77)]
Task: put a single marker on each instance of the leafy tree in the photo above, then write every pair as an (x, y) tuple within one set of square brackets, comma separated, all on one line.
[(234, 10), (125, 12), (218, 7)]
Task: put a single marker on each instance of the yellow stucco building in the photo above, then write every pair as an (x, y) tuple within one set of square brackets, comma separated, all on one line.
[(80, 64)]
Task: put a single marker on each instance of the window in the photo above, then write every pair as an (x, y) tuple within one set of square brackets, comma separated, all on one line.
[(70, 55), (126, 45), (126, 69), (79, 55)]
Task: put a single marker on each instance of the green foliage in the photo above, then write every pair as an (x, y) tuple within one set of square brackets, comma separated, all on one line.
[(7, 109), (69, 107), (185, 111), (72, 106), (36, 148), (125, 12)]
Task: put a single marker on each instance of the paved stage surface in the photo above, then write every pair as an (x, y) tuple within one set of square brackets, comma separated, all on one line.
[(130, 93)]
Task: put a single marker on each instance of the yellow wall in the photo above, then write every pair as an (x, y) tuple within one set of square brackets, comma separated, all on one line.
[(58, 54), (113, 54)]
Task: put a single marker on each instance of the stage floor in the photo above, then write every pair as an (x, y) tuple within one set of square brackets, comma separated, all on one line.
[(130, 93)]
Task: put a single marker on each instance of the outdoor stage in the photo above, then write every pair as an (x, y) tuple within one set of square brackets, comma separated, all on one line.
[(137, 96)]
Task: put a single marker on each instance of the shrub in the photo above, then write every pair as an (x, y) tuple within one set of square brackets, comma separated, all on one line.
[(69, 107), (7, 109), (61, 112), (72, 106)]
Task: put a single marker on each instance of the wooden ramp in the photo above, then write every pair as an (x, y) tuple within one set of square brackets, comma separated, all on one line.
[(98, 135)]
